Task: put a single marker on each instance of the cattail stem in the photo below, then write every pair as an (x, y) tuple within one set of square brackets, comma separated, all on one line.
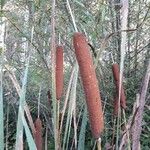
[(128, 135), (58, 116), (90, 84), (99, 147), (120, 92)]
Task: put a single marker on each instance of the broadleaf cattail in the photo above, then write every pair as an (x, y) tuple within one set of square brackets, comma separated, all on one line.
[(116, 74), (59, 72), (38, 134), (90, 84)]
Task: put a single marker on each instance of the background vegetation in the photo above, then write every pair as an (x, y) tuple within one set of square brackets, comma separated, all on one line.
[(26, 67)]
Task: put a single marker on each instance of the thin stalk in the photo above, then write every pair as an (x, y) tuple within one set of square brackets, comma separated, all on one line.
[(18, 89), (99, 147), (53, 73), (94, 145), (118, 127), (58, 107), (1, 86), (39, 102), (81, 140), (71, 108), (75, 127), (19, 134), (7, 127), (124, 22), (76, 75), (46, 138), (125, 122), (66, 100), (59, 40), (73, 19)]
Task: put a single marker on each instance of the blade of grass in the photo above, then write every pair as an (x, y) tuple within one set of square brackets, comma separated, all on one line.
[(72, 16), (71, 108), (124, 22), (19, 135), (29, 136), (73, 101), (66, 99), (1, 87), (7, 126), (21, 119), (18, 89), (81, 143), (39, 101), (46, 143), (77, 124), (75, 68), (73, 89), (1, 108), (22, 102), (75, 127)]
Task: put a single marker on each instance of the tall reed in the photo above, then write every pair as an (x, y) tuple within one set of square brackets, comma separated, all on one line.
[(116, 75)]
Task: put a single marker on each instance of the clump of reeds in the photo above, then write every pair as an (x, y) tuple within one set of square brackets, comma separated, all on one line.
[(59, 72), (38, 134), (116, 75), (90, 84)]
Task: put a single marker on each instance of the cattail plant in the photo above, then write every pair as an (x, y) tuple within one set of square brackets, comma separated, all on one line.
[(116, 74), (90, 84), (59, 72), (38, 134)]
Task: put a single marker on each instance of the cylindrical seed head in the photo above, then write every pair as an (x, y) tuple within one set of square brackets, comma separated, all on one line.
[(38, 134), (90, 84), (59, 72)]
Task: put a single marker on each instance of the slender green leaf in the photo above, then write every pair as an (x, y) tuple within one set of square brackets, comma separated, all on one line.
[(29, 136), (1, 92), (19, 135), (83, 130), (71, 108)]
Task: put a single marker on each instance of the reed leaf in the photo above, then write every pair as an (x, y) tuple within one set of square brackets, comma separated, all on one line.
[(1, 107), (19, 135), (29, 136), (71, 108), (1, 89), (81, 143)]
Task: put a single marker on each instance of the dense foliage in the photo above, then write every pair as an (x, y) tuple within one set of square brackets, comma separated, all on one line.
[(27, 34)]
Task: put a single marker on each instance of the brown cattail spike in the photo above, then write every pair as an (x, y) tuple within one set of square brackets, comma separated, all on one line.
[(38, 134), (116, 74), (116, 106), (59, 72), (90, 84)]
